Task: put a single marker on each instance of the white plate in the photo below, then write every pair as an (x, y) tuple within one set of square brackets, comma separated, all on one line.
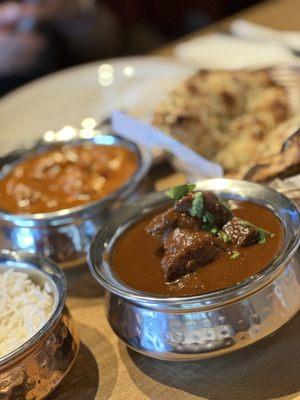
[(133, 84), (222, 51)]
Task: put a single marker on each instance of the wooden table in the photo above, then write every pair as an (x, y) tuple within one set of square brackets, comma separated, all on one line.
[(106, 369)]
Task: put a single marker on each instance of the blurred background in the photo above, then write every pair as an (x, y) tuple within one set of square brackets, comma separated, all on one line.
[(38, 37)]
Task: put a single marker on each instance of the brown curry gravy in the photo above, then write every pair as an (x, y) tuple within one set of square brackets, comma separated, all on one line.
[(136, 258), (65, 177)]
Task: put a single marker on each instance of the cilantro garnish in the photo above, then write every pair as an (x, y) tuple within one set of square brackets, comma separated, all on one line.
[(262, 233), (223, 236), (177, 192), (234, 255), (214, 231), (208, 218), (209, 223), (197, 205), (261, 237)]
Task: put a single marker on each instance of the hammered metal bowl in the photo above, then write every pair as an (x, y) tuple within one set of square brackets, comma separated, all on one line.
[(65, 235), (196, 327), (34, 370)]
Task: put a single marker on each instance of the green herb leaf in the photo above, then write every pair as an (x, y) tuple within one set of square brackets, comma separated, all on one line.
[(247, 223), (223, 236), (197, 205), (210, 228), (214, 231), (209, 224), (208, 218), (235, 255), (261, 237), (177, 192), (262, 233)]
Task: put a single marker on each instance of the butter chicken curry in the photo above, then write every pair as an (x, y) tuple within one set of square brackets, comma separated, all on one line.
[(65, 177)]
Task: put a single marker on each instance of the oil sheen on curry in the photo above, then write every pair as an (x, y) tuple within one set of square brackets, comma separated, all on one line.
[(199, 244), (65, 177)]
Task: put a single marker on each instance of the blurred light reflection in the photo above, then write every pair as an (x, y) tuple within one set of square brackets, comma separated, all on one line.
[(49, 136), (88, 123), (24, 239), (87, 133), (105, 75), (69, 132), (128, 71), (66, 133)]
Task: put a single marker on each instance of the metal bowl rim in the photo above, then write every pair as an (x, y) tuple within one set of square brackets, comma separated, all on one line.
[(59, 281), (145, 159), (211, 299)]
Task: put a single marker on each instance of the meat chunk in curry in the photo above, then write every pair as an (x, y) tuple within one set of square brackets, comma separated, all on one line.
[(179, 216), (165, 223), (211, 204), (186, 250), (196, 229), (241, 234)]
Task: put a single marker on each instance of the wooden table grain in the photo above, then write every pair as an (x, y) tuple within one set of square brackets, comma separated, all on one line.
[(106, 369)]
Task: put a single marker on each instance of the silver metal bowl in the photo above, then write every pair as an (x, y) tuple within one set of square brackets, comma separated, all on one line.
[(35, 368), (210, 324), (65, 235)]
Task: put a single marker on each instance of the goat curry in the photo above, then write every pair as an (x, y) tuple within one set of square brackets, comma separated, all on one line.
[(199, 244)]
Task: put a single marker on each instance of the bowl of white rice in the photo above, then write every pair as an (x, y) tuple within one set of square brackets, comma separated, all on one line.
[(38, 341)]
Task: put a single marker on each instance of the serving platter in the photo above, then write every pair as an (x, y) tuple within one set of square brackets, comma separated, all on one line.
[(94, 90), (84, 96)]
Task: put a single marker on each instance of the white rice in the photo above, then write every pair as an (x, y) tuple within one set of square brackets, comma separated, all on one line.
[(24, 308)]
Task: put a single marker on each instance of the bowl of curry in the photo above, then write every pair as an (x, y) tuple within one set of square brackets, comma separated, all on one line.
[(55, 196), (200, 271)]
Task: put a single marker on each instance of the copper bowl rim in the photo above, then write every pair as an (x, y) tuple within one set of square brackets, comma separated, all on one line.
[(45, 268)]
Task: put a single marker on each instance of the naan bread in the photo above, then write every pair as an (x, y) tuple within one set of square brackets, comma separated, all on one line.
[(231, 117)]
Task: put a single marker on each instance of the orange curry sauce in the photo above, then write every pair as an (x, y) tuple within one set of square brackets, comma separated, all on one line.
[(65, 177)]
